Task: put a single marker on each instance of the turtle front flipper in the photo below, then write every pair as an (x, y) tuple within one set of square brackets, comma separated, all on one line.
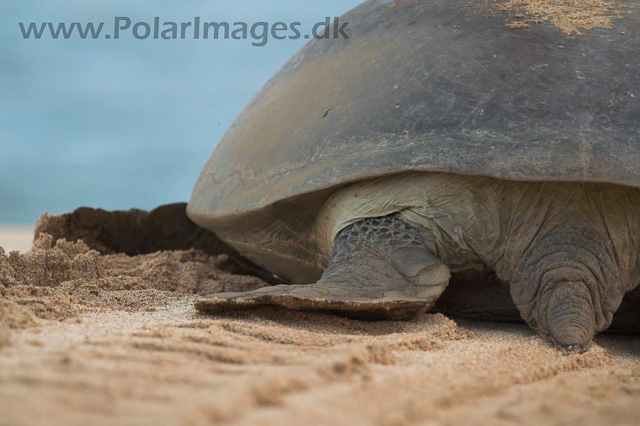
[(381, 268)]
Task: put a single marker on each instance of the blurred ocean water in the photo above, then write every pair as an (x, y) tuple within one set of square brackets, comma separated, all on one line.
[(125, 123)]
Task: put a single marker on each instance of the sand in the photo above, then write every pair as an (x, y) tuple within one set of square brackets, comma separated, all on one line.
[(109, 338), (572, 17), (16, 237)]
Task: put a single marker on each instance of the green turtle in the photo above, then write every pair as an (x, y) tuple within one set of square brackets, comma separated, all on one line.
[(437, 142)]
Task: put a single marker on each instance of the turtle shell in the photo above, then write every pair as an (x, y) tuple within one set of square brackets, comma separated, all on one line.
[(424, 85)]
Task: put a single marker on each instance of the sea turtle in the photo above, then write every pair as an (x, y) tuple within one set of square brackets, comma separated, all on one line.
[(434, 143)]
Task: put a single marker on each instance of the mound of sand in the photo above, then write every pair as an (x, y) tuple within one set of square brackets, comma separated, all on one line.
[(89, 335)]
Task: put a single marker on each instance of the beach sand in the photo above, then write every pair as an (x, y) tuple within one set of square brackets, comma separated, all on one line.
[(114, 339), (16, 237)]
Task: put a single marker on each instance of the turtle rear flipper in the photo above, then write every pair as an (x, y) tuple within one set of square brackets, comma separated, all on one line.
[(382, 268)]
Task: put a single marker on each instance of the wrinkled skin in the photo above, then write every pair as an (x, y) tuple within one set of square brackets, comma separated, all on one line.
[(568, 251)]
